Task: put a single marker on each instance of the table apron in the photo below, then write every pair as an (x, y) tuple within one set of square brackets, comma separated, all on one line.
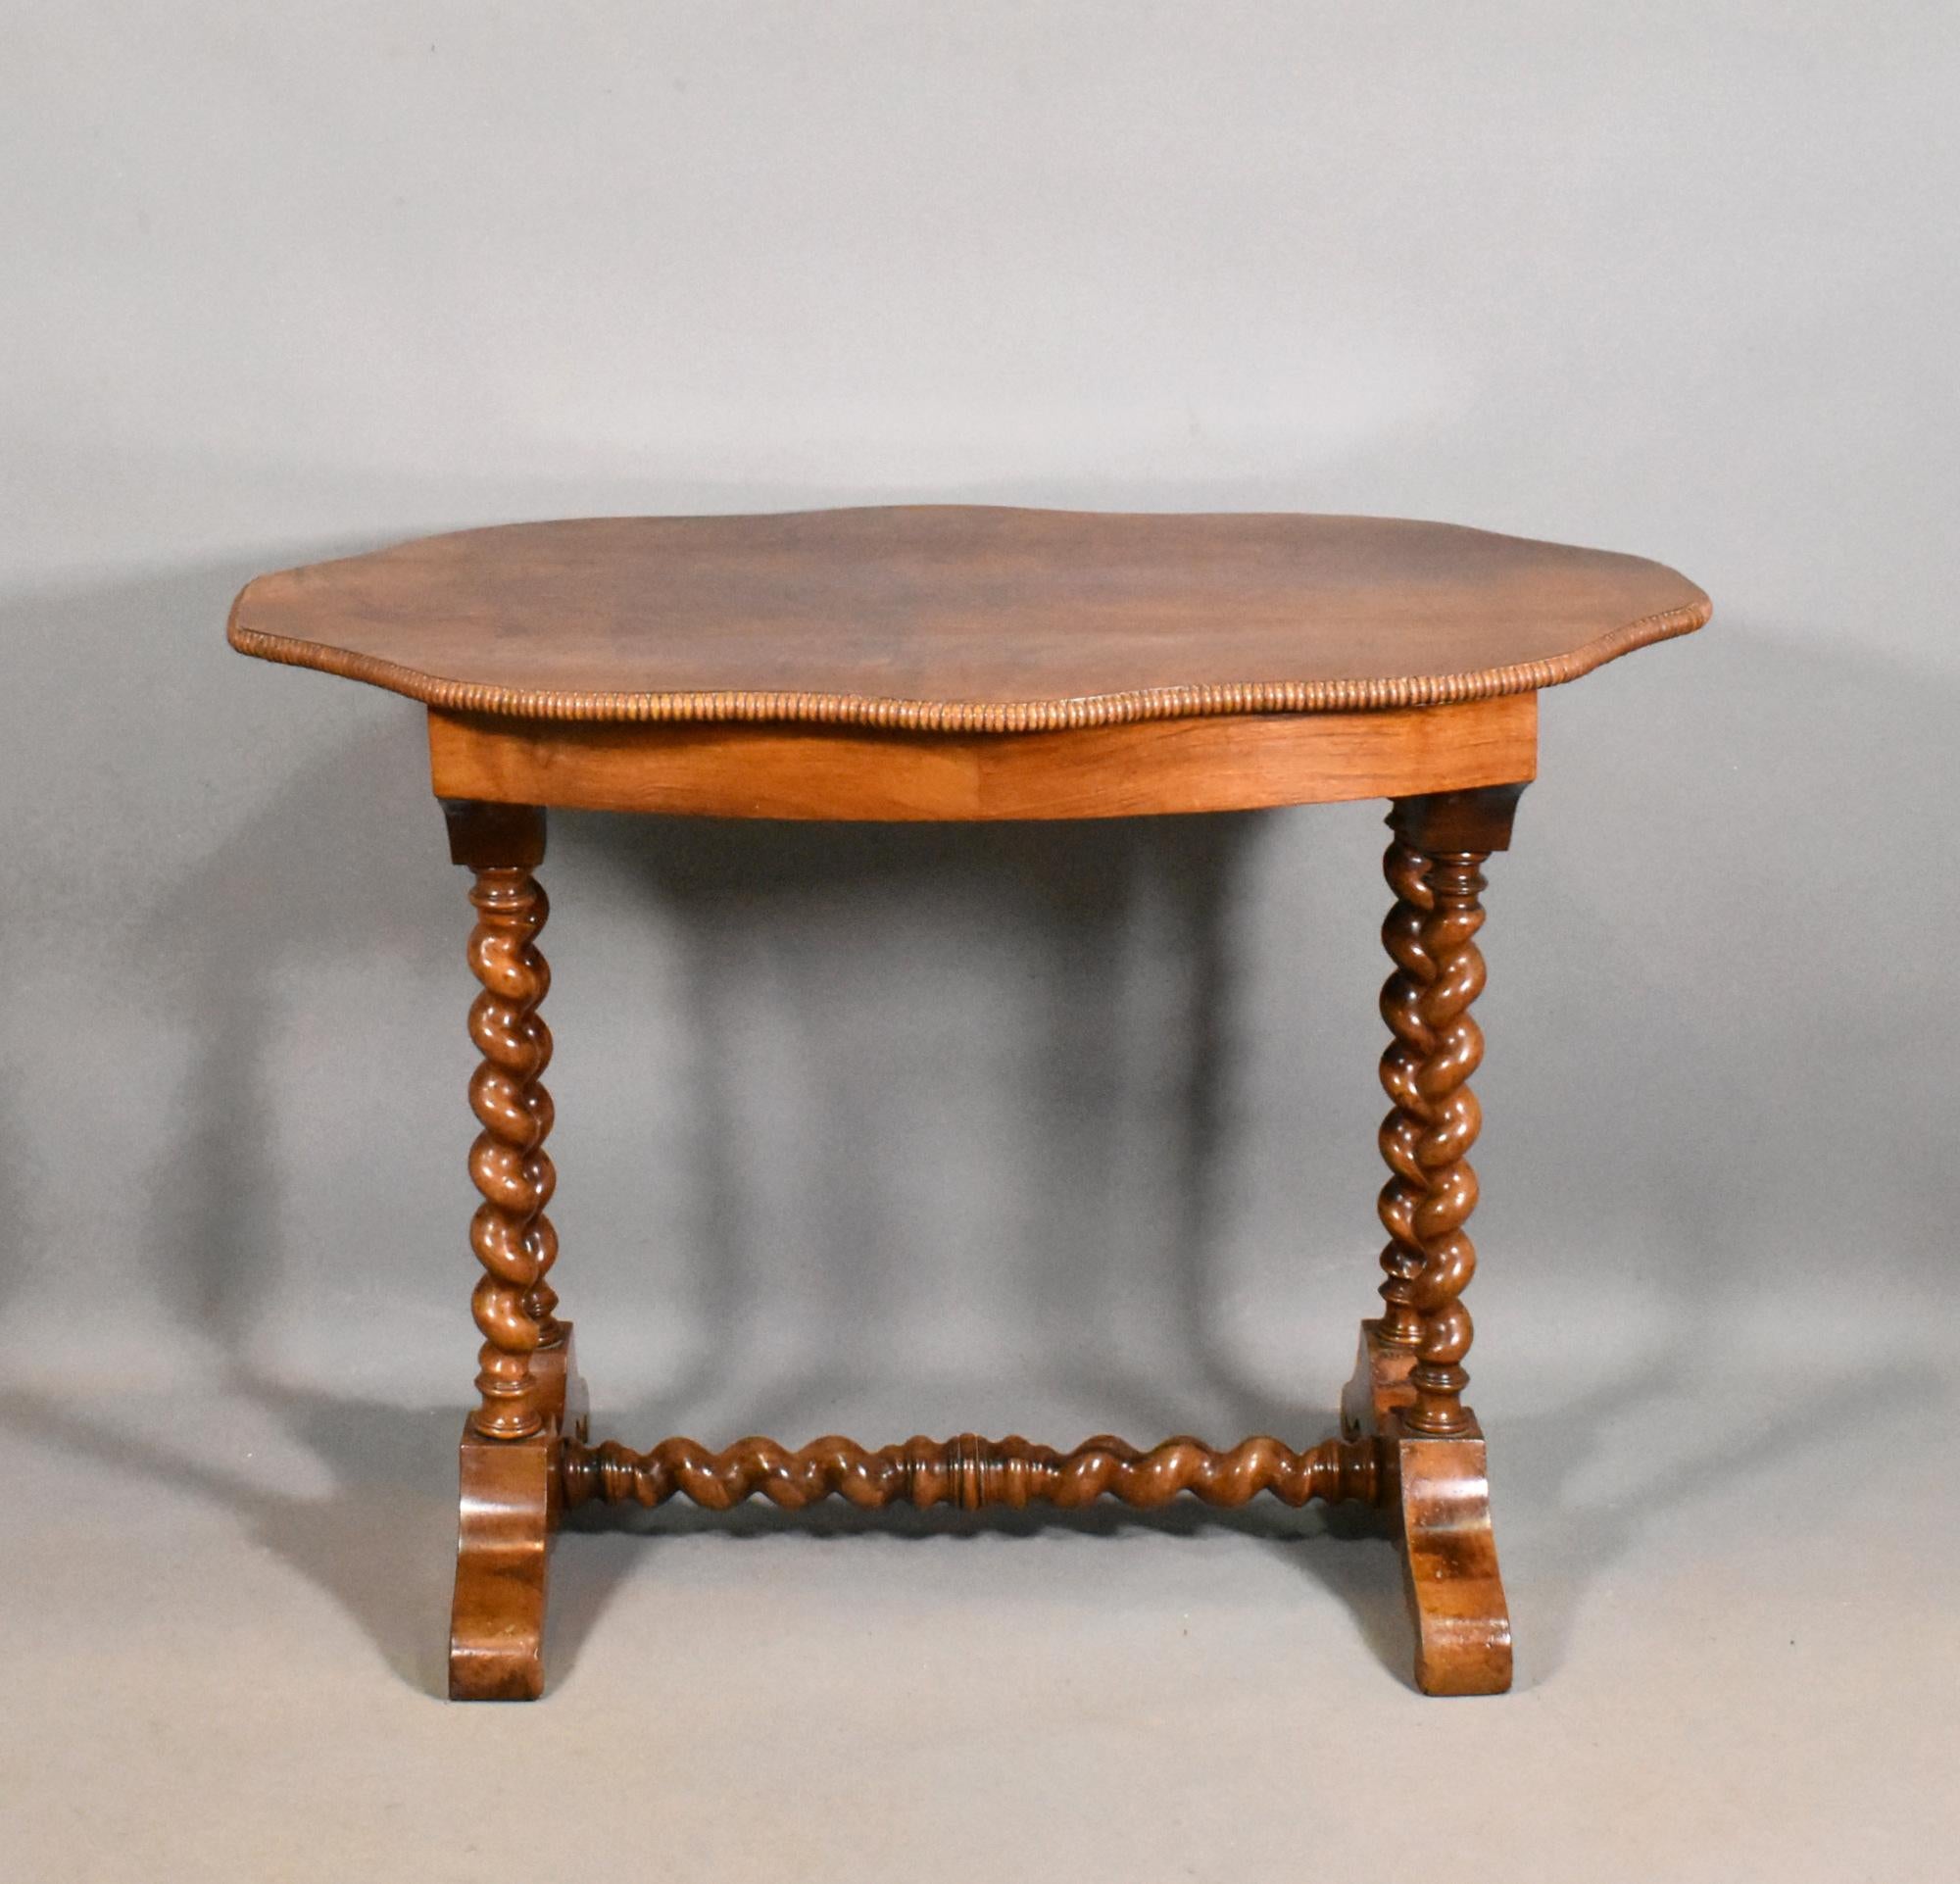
[(1227, 762)]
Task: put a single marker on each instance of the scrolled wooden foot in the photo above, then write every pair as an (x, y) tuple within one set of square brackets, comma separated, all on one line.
[(1436, 1494), (497, 1621), (1449, 1564), (509, 1505)]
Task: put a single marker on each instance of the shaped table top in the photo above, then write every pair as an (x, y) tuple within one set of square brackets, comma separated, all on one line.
[(948, 617)]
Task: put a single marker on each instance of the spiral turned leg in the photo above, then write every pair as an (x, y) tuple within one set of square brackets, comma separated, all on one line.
[(1403, 1258), (527, 1386), (1451, 1119), (1408, 1386), (1435, 868), (508, 1165)]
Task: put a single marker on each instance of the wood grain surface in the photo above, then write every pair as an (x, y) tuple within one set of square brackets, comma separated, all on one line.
[(959, 618), (800, 772)]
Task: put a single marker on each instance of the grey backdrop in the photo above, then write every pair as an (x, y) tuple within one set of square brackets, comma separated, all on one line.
[(1052, 1129), (284, 286)]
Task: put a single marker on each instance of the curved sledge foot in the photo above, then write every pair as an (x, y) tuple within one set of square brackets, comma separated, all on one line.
[(1436, 1493), (508, 1510), (497, 1621), (1449, 1566)]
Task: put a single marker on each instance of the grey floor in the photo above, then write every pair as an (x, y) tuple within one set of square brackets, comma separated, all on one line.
[(1733, 1590)]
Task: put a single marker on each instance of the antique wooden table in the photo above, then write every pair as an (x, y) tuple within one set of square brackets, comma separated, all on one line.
[(962, 662)]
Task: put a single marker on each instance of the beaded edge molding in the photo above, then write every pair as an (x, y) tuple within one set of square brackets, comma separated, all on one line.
[(968, 716)]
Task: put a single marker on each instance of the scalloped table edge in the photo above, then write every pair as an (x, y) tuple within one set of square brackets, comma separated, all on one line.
[(973, 716)]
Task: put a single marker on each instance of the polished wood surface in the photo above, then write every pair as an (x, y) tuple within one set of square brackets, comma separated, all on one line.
[(511, 1233), (1449, 1561), (508, 1504), (970, 1472), (1102, 772), (871, 665), (1431, 935), (957, 619), (1436, 1496), (511, 1500)]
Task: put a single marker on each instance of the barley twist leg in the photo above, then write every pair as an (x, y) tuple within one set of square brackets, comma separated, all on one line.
[(1409, 1382), (1435, 868), (501, 845), (508, 1164), (1403, 1258), (527, 1384), (1451, 1118)]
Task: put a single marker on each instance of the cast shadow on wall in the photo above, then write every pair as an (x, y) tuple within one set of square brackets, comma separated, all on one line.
[(224, 955), (1080, 892)]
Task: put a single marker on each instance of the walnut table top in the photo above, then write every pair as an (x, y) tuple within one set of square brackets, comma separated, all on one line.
[(957, 619)]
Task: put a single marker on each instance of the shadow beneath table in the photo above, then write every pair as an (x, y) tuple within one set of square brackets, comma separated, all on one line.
[(304, 887), (1550, 1467), (1070, 900), (379, 1542)]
